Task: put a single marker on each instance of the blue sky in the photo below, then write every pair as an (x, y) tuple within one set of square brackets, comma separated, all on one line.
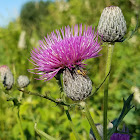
[(10, 9)]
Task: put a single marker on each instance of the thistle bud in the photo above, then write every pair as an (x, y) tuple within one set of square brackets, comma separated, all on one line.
[(112, 25), (6, 77), (77, 84), (3, 69), (23, 81)]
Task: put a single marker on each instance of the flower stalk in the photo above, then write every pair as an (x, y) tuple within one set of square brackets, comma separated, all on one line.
[(71, 123), (20, 125), (107, 70), (90, 120)]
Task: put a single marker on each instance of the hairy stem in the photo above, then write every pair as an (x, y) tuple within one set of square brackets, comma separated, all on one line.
[(58, 102), (90, 120), (108, 67), (19, 123), (71, 123)]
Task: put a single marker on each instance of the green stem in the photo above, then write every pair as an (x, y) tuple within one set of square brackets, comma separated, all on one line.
[(20, 126), (58, 78), (47, 97), (71, 123), (108, 67), (90, 120)]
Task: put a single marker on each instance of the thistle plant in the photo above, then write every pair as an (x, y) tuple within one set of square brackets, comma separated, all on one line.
[(7, 79), (62, 55), (112, 28), (64, 52)]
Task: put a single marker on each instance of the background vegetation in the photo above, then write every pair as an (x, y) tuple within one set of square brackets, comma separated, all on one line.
[(37, 19)]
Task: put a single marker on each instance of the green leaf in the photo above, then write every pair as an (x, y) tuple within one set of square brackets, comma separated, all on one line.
[(126, 108)]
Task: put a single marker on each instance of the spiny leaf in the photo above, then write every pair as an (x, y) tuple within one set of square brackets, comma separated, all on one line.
[(127, 106)]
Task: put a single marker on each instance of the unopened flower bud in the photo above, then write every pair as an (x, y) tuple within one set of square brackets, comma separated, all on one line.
[(77, 84), (6, 77), (112, 25), (8, 80), (23, 81), (3, 70)]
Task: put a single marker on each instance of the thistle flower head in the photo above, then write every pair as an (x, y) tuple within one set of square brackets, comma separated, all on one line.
[(3, 70), (112, 25), (66, 48)]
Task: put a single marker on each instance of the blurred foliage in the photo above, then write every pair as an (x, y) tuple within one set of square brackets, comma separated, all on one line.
[(40, 18), (32, 13)]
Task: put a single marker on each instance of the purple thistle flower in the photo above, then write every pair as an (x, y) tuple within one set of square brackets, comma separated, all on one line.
[(118, 136), (64, 49), (122, 135)]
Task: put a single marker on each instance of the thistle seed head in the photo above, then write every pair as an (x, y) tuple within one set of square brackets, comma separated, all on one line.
[(112, 25), (77, 84)]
